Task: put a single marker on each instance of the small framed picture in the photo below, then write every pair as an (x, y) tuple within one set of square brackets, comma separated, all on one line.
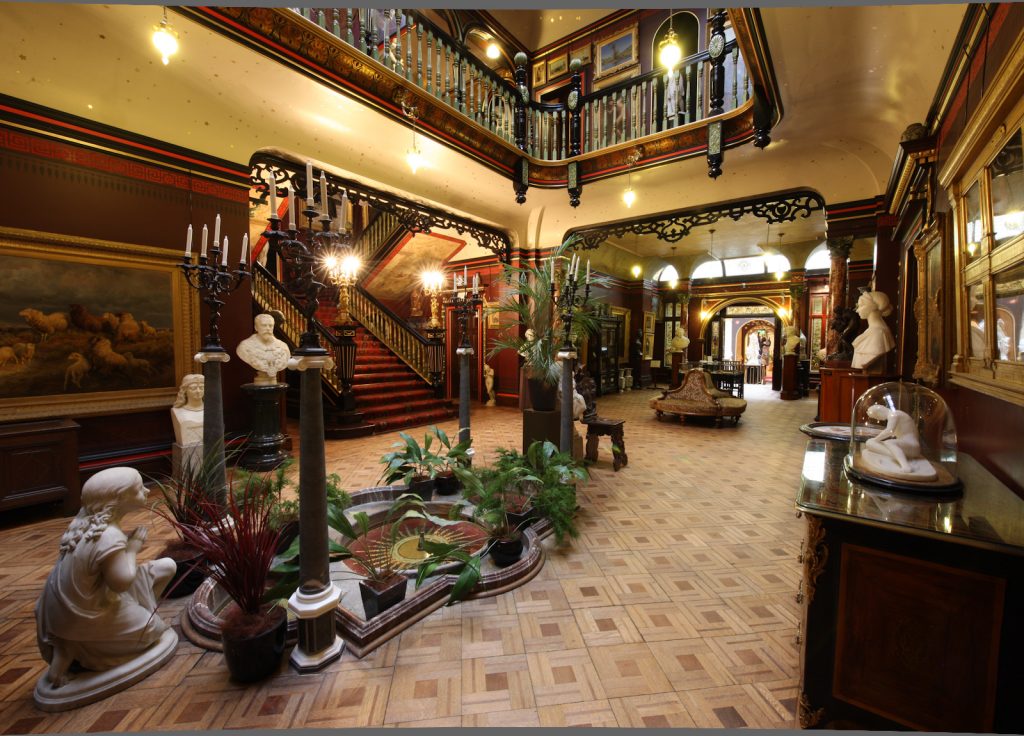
[(648, 347), (649, 323), (582, 53), (558, 66), (540, 75)]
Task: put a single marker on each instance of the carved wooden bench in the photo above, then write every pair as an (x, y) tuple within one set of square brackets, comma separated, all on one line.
[(695, 396)]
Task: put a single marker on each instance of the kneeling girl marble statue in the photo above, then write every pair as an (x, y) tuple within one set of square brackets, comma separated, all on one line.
[(97, 608)]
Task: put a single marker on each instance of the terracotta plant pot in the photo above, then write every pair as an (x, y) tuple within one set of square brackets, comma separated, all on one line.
[(543, 396), (505, 552), (446, 483), (422, 486), (253, 653), (379, 597)]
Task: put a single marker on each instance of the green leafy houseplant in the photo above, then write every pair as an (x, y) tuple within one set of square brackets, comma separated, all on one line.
[(456, 456), (238, 544), (535, 329), (413, 464)]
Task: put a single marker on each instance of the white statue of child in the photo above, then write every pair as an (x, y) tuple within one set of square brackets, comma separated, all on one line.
[(98, 605)]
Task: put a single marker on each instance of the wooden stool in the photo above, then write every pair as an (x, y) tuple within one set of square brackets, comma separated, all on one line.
[(615, 429)]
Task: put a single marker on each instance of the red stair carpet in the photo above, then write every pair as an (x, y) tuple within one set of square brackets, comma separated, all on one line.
[(389, 394)]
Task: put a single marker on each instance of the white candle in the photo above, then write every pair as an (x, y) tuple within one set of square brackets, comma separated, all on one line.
[(465, 275), (323, 194), (343, 211), (587, 281), (224, 253), (476, 283), (272, 186), (245, 248), (188, 243), (205, 236), (455, 282), (551, 262), (309, 183), (291, 205), (216, 230)]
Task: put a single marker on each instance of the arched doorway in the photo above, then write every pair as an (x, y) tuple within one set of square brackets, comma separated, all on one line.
[(755, 346), (746, 330)]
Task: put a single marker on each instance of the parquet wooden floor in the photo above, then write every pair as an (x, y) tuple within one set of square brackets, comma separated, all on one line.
[(675, 608)]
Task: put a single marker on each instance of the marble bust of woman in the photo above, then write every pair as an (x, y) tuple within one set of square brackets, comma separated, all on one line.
[(877, 339), (187, 412), (98, 606)]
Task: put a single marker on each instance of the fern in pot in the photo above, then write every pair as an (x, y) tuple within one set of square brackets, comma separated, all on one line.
[(413, 464)]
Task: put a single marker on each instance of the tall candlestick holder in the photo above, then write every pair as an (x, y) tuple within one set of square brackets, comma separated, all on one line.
[(465, 303), (214, 280), (567, 301), (302, 251)]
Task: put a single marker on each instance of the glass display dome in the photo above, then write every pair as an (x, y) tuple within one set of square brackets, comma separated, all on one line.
[(902, 436)]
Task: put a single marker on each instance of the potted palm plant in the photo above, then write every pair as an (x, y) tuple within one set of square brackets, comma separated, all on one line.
[(491, 510), (413, 464), (446, 482), (238, 550), (534, 329)]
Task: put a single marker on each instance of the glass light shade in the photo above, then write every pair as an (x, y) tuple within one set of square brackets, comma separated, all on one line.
[(350, 265), (166, 41), (629, 196), (636, 271), (493, 50), (415, 159), (673, 283), (903, 436), (670, 53), (432, 280)]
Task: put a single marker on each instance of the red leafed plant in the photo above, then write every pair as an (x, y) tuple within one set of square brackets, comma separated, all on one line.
[(238, 544)]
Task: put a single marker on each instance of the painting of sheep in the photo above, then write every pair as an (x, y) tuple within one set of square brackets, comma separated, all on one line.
[(77, 327)]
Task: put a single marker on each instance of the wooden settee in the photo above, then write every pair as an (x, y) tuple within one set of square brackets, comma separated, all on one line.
[(696, 396)]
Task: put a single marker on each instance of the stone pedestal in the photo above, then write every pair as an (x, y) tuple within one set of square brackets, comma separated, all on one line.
[(264, 449), (540, 425), (790, 383), (577, 445), (185, 456)]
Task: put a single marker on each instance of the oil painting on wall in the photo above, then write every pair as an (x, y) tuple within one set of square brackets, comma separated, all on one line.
[(89, 326)]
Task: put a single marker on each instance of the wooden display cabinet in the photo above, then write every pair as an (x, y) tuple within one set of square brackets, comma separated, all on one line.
[(39, 464), (603, 355)]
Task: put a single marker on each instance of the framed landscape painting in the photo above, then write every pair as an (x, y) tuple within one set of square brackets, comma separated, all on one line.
[(558, 66), (90, 326), (615, 52), (540, 75)]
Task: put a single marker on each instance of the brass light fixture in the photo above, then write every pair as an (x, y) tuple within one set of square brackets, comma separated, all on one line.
[(670, 53), (432, 283), (629, 196), (165, 38), (413, 157)]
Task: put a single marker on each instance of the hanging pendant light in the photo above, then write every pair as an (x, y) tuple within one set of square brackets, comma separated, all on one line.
[(670, 53), (629, 196), (413, 157), (165, 38)]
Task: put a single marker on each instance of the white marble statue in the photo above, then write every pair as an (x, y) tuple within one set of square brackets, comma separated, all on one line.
[(97, 609), (264, 352), (792, 340), (187, 412), (896, 450), (489, 385), (680, 342), (877, 339)]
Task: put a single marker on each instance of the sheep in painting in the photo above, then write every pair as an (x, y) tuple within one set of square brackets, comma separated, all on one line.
[(76, 371), (7, 356), (84, 320), (44, 324), (138, 365), (25, 351), (147, 329), (105, 358), (128, 329)]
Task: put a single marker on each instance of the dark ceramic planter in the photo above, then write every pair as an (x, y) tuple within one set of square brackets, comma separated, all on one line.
[(289, 532), (188, 575), (378, 600), (255, 657), (446, 484), (422, 487), (506, 552), (543, 396), (521, 519)]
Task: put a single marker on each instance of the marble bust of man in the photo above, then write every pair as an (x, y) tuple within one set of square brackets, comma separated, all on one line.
[(264, 352), (187, 412)]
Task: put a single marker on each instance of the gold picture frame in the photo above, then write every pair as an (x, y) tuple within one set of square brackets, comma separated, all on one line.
[(583, 53), (540, 74), (558, 67), (613, 79), (648, 346), (68, 298), (615, 52), (648, 323), (623, 314)]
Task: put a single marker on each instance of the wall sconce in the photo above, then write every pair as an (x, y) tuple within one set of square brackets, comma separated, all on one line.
[(165, 38), (432, 283), (493, 50), (703, 315), (636, 271)]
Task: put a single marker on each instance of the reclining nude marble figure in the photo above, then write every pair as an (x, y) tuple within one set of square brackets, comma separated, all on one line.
[(896, 450), (95, 619)]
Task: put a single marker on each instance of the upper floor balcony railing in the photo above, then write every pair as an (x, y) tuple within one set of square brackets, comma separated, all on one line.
[(425, 56), (398, 62)]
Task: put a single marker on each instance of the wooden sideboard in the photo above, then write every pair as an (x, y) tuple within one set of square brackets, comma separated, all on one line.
[(39, 464), (840, 388), (912, 604)]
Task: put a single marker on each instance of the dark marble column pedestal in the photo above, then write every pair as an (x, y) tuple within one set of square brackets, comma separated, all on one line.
[(213, 419), (264, 450)]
